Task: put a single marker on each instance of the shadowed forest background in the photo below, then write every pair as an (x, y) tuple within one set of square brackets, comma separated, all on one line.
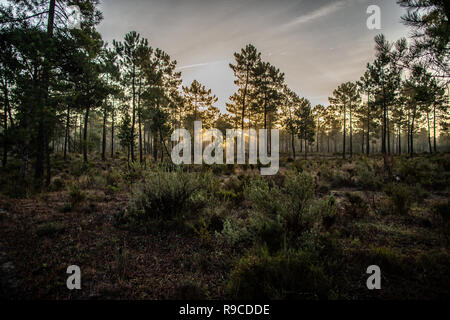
[(87, 177)]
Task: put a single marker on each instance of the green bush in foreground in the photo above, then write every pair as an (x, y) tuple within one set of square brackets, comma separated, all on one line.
[(283, 217), (168, 197)]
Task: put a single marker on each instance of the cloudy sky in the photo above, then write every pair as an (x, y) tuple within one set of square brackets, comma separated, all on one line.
[(318, 44)]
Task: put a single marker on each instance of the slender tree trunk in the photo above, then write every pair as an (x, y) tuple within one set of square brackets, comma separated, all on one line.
[(140, 124), (345, 129), (104, 134), (368, 124), (351, 132), (306, 150), (81, 135), (134, 112), (47, 158), (429, 132), (388, 129), (42, 138), (383, 133), (155, 147), (434, 127), (328, 142), (412, 132), (362, 140), (408, 129), (85, 133), (317, 136), (293, 145), (244, 97), (112, 131), (67, 137)]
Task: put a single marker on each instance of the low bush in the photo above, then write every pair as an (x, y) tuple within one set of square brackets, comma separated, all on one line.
[(168, 197), (399, 198), (367, 178), (234, 232), (356, 206), (76, 196), (281, 215)]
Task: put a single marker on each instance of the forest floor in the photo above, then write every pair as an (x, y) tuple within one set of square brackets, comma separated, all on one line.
[(77, 222)]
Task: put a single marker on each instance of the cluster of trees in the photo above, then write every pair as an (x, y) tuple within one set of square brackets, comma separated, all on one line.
[(404, 91), (65, 90), (402, 94)]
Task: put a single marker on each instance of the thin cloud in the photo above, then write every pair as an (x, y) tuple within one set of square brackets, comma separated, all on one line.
[(198, 65), (319, 13)]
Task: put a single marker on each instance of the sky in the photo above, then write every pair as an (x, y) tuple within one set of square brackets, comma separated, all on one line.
[(318, 44)]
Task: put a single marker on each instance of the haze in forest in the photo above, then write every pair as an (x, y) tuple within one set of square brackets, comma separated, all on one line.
[(318, 44)]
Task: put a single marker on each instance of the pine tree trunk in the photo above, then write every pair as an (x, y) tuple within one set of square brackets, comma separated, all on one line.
[(85, 133), (293, 145), (434, 127), (140, 123), (133, 121), (368, 124), (351, 132), (155, 147), (412, 132), (388, 132), (104, 135), (345, 129), (42, 137), (112, 132), (429, 132), (67, 137)]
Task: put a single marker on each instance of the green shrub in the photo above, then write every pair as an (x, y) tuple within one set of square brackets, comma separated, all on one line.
[(228, 195), (202, 230), (113, 177), (367, 178), (263, 199), (76, 196), (399, 197), (268, 231), (281, 215), (233, 190), (234, 232), (338, 178), (294, 275), (133, 173), (356, 206), (79, 167), (326, 208), (168, 197)]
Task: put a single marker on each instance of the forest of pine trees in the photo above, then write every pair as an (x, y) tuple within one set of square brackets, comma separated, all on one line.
[(66, 90)]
